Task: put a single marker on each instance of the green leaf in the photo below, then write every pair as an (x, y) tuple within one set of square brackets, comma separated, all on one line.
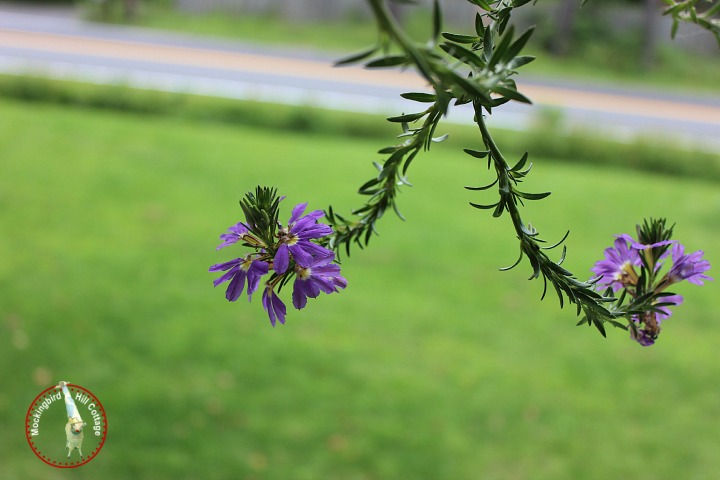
[(463, 54), (479, 25), (454, 37), (485, 187), (518, 62), (409, 117), (484, 4), (472, 89), (476, 153), (388, 61), (517, 45), (502, 47), (521, 163), (356, 57), (512, 94), (504, 269), (420, 97), (484, 207), (387, 150), (599, 325), (487, 43), (437, 19), (499, 209)]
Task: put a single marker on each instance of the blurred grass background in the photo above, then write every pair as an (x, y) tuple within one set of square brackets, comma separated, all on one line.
[(432, 364)]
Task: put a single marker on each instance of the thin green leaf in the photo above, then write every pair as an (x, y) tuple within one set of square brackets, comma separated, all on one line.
[(454, 37), (388, 61), (485, 187), (479, 25), (518, 62), (501, 47), (512, 94), (521, 163), (484, 4), (409, 117), (420, 97), (504, 269), (475, 153), (463, 54), (517, 45), (483, 207), (437, 19), (356, 57)]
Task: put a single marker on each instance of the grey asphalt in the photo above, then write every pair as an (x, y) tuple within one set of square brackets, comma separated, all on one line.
[(33, 38)]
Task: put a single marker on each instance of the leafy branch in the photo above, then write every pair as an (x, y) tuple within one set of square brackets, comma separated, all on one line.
[(474, 69), (588, 301), (687, 11)]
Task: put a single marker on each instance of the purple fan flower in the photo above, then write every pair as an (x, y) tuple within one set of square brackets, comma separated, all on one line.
[(235, 233), (648, 329), (274, 306), (644, 336), (295, 239), (320, 275), (640, 246), (617, 270), (237, 271), (690, 267)]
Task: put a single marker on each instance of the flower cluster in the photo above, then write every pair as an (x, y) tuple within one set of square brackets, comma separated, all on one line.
[(633, 267), (280, 252)]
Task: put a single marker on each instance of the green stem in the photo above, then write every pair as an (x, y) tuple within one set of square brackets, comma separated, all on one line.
[(387, 23), (501, 169)]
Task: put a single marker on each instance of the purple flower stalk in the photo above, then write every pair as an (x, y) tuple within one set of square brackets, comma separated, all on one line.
[(618, 268), (295, 239), (238, 270), (320, 275)]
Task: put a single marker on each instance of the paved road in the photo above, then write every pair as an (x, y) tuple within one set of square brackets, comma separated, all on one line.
[(65, 47)]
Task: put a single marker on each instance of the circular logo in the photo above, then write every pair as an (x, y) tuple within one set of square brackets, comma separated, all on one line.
[(66, 426)]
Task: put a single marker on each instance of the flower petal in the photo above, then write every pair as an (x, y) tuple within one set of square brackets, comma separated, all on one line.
[(282, 259), (236, 286), (299, 297), (297, 213)]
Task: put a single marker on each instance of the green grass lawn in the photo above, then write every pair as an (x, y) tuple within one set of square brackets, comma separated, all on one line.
[(431, 365)]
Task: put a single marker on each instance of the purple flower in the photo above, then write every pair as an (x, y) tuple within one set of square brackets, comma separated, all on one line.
[(617, 270), (238, 270), (320, 275), (644, 336), (640, 246), (295, 239), (690, 267), (647, 325), (235, 233), (273, 305)]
